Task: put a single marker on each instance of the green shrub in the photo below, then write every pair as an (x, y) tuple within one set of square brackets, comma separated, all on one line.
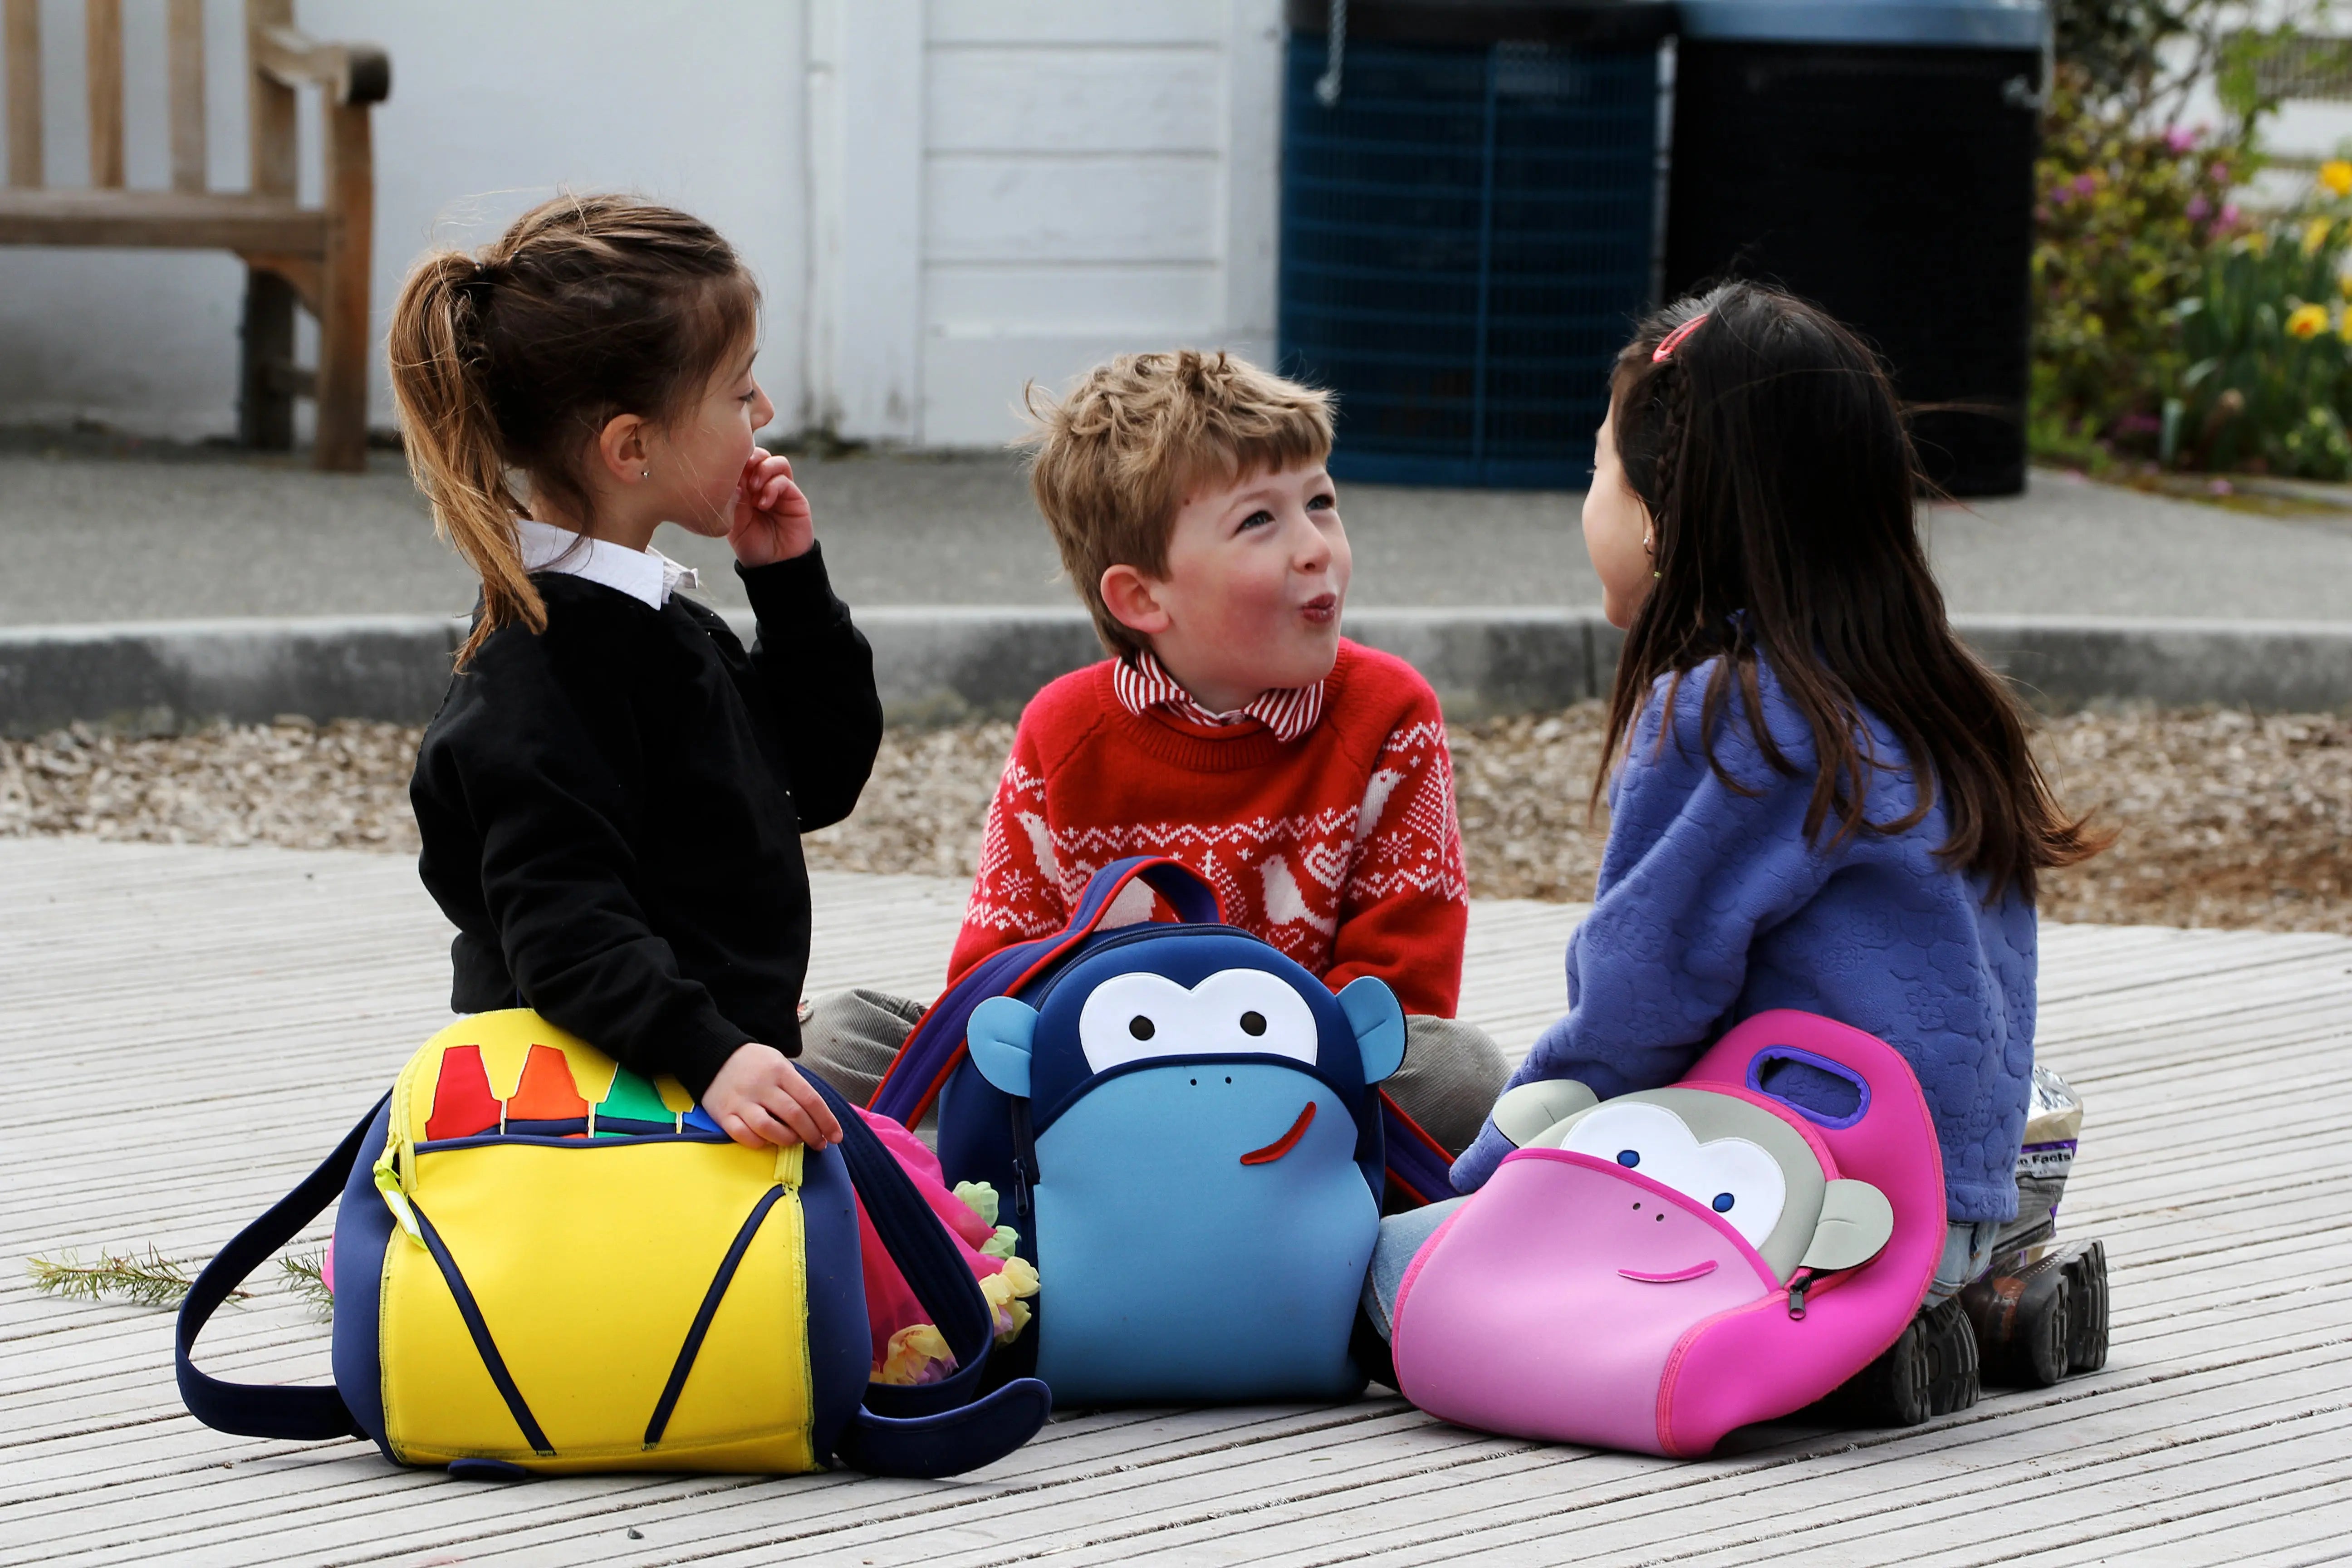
[(2126, 219), (2266, 374)]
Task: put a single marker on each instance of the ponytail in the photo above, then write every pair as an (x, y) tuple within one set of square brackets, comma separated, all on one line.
[(454, 455), (586, 308)]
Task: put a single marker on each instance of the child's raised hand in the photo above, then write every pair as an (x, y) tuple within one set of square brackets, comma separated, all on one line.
[(759, 1099), (773, 521)]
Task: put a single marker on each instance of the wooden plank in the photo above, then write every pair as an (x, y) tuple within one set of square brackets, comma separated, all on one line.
[(2232, 1277), (1116, 208), (102, 25), (340, 442), (184, 56), (160, 219), (1047, 101), (270, 106), (20, 26)]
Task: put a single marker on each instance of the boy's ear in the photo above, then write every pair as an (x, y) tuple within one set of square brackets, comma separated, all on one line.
[(999, 1036), (1133, 600)]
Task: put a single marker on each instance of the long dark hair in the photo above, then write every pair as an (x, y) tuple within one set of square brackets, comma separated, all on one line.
[(1770, 452)]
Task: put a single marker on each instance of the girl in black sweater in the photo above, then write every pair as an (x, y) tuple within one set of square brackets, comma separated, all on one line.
[(612, 795)]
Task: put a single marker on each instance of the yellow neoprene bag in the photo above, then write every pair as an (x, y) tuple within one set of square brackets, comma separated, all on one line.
[(546, 1263)]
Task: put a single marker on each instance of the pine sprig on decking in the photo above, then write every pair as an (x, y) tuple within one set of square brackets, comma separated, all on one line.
[(153, 1280)]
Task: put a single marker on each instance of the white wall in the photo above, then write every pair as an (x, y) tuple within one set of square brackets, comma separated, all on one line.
[(944, 198), (494, 105), (1095, 178)]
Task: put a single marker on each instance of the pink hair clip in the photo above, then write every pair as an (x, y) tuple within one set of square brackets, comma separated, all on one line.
[(1667, 344)]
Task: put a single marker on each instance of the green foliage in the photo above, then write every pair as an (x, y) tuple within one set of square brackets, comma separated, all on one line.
[(2266, 376), (153, 1280), (2125, 217), (306, 1277)]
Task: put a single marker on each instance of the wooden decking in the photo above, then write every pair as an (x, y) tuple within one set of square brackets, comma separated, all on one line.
[(184, 1032)]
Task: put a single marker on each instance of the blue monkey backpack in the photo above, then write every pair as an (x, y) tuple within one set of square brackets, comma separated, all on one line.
[(1189, 1127)]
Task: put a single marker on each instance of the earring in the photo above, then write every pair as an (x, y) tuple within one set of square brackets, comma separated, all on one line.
[(647, 474)]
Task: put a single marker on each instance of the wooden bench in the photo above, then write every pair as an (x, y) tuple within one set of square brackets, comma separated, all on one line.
[(318, 256)]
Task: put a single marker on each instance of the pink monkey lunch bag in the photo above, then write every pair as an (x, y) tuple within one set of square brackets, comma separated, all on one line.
[(1650, 1271)]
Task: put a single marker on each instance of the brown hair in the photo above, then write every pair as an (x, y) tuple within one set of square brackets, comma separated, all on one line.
[(1772, 456), (1111, 461), (515, 357)]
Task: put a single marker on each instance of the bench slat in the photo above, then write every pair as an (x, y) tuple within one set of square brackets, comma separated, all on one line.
[(23, 28), (162, 219), (186, 54), (104, 19)]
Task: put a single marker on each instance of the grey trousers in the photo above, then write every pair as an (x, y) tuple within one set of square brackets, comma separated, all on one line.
[(1451, 1077)]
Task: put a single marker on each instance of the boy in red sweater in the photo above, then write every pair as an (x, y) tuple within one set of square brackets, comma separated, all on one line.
[(1304, 776)]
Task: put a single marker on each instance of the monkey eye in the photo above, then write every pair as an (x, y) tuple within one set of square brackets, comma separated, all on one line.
[(1731, 1176), (1234, 1012)]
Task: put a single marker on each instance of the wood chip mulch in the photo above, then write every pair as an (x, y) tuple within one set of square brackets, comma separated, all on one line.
[(2224, 818)]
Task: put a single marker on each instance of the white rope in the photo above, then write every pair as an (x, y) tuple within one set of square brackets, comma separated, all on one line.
[(1335, 56)]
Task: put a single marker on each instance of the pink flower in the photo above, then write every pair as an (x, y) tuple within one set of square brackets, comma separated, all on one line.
[(2180, 140), (2200, 209), (2219, 174), (2229, 215), (2084, 183)]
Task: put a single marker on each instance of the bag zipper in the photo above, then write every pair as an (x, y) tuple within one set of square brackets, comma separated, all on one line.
[(1024, 1160), (484, 1345), (667, 1404)]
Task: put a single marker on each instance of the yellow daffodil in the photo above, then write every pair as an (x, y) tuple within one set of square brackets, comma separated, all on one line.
[(2306, 321), (2315, 234), (2336, 176), (2257, 242)]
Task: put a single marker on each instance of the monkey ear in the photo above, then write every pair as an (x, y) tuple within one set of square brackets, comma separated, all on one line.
[(1374, 1013), (1856, 1221), (1528, 1112), (999, 1036)]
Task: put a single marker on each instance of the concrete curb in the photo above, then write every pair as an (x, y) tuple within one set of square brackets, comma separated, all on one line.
[(939, 663)]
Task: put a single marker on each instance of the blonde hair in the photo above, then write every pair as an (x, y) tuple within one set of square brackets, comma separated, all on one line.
[(515, 356), (1111, 461)]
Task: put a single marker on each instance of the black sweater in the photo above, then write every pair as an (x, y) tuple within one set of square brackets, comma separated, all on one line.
[(612, 810)]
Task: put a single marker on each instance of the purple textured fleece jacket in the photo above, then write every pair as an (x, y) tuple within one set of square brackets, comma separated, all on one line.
[(1712, 907)]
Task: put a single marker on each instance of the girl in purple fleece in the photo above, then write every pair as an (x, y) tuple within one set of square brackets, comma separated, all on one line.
[(1824, 801)]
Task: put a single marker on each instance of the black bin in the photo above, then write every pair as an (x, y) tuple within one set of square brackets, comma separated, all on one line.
[(1469, 228), (1876, 157)]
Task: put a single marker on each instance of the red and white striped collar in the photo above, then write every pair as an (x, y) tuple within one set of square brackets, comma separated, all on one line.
[(1143, 685)]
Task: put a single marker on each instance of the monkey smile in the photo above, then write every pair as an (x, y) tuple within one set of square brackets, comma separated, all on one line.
[(1695, 1271), (1289, 1141)]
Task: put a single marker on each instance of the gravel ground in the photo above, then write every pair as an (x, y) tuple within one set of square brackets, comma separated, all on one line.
[(2226, 818)]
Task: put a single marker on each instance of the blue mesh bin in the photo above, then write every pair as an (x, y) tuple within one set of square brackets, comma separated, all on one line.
[(1466, 239)]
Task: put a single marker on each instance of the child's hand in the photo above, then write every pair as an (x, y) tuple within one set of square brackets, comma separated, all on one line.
[(773, 521), (759, 1098)]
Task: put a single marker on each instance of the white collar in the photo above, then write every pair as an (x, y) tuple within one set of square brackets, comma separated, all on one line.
[(646, 576)]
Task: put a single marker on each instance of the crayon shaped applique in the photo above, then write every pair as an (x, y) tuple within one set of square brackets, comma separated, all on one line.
[(463, 1104)]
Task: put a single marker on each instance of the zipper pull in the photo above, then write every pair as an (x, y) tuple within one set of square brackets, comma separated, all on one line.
[(387, 1184), (1805, 1279), (1020, 1186)]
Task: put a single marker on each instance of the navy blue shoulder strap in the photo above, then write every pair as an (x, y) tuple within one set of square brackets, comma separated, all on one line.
[(258, 1410), (937, 1429), (936, 1046)]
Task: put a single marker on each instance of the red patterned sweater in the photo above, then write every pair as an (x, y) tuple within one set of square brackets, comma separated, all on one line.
[(1340, 848)]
